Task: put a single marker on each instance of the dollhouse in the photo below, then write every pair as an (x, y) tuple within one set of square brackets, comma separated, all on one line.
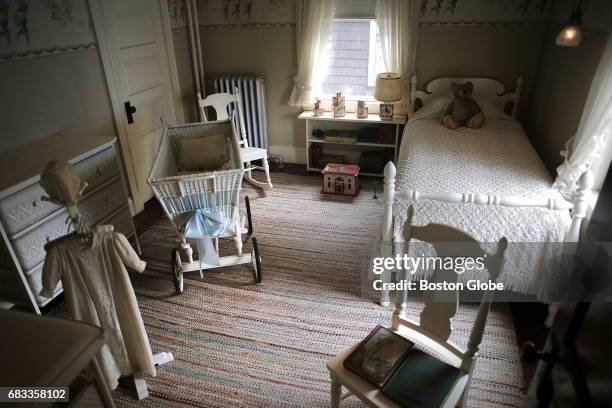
[(341, 179)]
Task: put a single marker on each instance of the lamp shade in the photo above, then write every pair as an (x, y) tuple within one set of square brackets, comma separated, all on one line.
[(388, 87)]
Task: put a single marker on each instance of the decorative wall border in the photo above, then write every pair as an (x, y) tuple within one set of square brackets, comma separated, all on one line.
[(44, 52), (442, 24), (422, 24), (481, 23), (234, 26), (500, 23)]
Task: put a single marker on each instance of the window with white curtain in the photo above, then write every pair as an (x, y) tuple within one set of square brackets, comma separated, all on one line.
[(354, 60)]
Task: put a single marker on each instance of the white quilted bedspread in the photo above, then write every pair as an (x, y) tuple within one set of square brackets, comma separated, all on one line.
[(496, 159)]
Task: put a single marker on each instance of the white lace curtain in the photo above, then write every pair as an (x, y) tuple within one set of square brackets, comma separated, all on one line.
[(398, 22), (313, 28), (591, 146)]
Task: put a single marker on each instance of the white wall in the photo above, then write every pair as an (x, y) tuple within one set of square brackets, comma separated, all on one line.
[(563, 79), (46, 95)]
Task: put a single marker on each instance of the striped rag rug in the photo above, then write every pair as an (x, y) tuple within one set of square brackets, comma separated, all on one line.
[(241, 344)]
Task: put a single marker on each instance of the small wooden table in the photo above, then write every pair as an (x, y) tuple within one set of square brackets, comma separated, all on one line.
[(49, 352)]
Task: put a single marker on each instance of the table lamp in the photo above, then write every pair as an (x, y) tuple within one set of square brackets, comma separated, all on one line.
[(388, 90)]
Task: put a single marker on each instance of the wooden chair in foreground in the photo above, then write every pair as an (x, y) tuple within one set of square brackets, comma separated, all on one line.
[(219, 102), (433, 330)]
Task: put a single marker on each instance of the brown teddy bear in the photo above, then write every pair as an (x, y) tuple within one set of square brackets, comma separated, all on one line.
[(462, 110)]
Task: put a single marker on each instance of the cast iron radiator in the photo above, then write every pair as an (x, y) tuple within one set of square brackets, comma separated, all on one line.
[(253, 94)]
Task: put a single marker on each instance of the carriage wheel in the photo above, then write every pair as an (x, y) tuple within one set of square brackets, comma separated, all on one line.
[(256, 261), (249, 220), (177, 271)]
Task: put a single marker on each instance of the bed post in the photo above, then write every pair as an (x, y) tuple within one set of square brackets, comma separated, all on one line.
[(386, 244), (581, 205), (582, 198), (517, 96), (413, 88)]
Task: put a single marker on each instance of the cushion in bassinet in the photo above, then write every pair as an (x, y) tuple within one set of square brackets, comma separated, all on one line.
[(213, 152)]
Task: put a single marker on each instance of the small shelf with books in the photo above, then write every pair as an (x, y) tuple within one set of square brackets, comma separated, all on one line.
[(369, 142)]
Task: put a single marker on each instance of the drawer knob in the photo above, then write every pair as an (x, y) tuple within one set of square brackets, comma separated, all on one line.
[(99, 171), (35, 203), (48, 239)]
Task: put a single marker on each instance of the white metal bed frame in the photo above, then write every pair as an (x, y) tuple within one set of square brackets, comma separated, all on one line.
[(494, 91)]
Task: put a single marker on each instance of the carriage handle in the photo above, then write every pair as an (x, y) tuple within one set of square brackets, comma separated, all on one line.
[(183, 183)]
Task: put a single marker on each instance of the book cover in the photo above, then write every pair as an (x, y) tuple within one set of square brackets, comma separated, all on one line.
[(378, 355), (421, 380)]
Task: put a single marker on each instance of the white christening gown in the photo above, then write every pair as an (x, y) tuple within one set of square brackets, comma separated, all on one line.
[(98, 291)]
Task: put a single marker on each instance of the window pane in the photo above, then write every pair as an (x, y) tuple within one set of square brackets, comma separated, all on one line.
[(355, 58), (376, 64)]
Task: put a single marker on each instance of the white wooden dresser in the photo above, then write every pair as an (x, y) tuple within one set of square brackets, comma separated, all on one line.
[(27, 222)]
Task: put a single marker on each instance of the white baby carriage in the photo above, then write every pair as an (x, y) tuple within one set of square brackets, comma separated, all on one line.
[(197, 178)]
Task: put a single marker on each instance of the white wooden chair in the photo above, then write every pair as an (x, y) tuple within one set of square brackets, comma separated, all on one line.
[(219, 102), (434, 329)]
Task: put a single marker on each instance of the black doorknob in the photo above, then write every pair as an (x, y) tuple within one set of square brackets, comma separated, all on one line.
[(129, 112)]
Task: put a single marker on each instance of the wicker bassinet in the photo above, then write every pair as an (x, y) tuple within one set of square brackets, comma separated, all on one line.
[(215, 190)]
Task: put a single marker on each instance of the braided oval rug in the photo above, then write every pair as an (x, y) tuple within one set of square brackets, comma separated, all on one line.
[(241, 344)]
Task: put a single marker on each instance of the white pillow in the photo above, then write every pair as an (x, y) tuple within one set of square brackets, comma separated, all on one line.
[(433, 108), (492, 110)]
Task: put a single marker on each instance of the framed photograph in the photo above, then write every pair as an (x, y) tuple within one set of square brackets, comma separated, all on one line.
[(377, 357)]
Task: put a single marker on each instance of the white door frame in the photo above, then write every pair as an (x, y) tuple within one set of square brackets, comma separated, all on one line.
[(104, 48)]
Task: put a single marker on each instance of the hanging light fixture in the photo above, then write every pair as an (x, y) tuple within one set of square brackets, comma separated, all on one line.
[(571, 35)]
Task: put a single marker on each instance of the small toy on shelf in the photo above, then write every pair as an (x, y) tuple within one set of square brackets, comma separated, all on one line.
[(341, 179), (335, 135), (338, 105), (318, 111), (362, 110)]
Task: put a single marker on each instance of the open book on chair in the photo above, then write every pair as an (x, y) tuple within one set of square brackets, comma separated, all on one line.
[(408, 376)]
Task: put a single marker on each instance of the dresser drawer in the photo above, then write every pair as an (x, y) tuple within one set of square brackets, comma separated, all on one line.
[(98, 168), (26, 207), (100, 205), (29, 247)]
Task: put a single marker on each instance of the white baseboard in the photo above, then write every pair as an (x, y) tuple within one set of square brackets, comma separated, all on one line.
[(290, 154)]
